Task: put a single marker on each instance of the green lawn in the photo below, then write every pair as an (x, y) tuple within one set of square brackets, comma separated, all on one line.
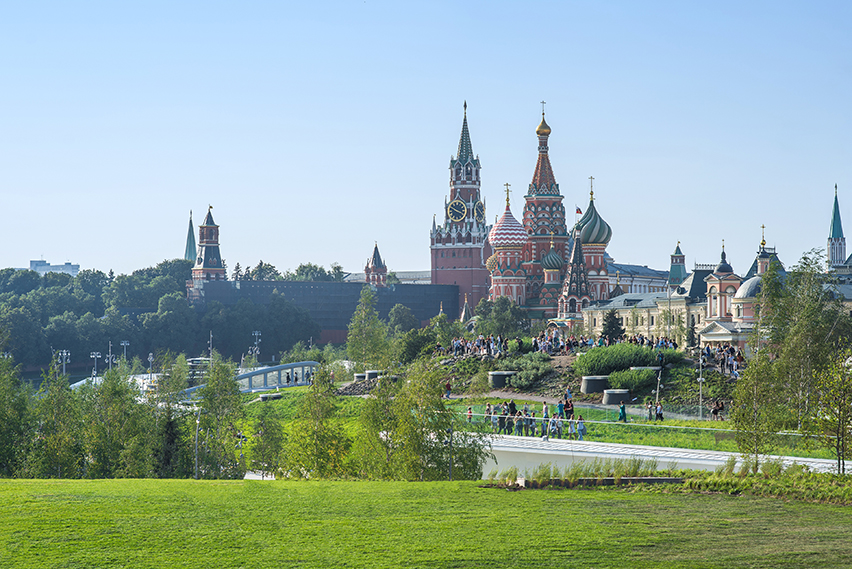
[(179, 523)]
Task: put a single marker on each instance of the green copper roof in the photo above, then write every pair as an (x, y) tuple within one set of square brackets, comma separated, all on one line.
[(836, 231), (189, 255), (593, 229), (677, 250)]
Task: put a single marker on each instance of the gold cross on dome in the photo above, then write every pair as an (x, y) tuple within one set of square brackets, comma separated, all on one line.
[(542, 107), (592, 186), (507, 184)]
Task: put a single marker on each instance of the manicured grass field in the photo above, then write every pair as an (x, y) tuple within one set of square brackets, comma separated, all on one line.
[(209, 524)]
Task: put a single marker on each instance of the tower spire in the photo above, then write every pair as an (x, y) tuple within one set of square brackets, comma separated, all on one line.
[(543, 182), (465, 152), (190, 251)]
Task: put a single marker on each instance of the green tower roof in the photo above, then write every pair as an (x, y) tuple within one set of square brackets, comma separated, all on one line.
[(191, 250), (836, 231)]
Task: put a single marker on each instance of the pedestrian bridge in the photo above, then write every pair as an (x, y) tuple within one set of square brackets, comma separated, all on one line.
[(275, 377)]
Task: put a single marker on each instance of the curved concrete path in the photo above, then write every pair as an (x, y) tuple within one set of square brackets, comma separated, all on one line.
[(526, 453)]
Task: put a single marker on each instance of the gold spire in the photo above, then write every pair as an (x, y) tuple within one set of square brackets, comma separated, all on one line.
[(723, 245), (507, 184), (465, 298), (762, 236), (551, 239), (592, 188), (617, 278)]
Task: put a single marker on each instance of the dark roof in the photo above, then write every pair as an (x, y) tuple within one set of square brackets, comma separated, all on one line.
[(208, 221), (694, 285), (630, 300), (636, 271), (773, 257)]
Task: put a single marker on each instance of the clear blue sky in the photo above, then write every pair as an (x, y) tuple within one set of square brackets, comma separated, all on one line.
[(317, 128)]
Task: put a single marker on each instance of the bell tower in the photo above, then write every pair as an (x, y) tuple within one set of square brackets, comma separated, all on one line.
[(459, 245)]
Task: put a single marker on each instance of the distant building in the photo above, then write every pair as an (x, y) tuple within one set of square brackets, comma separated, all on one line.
[(43, 267)]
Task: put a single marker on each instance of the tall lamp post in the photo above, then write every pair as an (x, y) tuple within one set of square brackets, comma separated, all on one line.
[(95, 356), (700, 386), (124, 344), (110, 358), (64, 357), (256, 350), (150, 367)]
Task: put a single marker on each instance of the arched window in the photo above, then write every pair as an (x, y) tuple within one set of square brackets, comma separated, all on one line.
[(572, 305)]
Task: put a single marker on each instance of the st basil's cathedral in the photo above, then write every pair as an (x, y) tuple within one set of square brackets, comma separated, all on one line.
[(538, 262)]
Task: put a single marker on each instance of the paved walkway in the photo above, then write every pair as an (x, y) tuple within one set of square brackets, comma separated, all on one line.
[(528, 452)]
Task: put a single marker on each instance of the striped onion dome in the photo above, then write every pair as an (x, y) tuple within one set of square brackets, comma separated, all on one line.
[(593, 229), (491, 263), (552, 261), (507, 232)]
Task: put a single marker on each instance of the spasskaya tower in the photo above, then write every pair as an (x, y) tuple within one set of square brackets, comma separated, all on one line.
[(460, 244)]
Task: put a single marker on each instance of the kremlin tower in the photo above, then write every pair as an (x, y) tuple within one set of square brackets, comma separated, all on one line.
[(376, 271), (208, 262), (460, 243)]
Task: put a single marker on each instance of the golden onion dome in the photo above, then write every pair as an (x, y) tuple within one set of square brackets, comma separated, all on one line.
[(491, 263), (542, 129)]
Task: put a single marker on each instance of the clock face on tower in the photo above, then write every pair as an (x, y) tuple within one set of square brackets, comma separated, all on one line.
[(456, 210), (479, 212)]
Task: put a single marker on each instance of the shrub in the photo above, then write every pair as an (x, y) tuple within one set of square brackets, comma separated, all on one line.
[(531, 368), (605, 360), (634, 380)]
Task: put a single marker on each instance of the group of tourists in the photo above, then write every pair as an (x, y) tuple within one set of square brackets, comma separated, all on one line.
[(507, 419), (482, 345), (729, 358)]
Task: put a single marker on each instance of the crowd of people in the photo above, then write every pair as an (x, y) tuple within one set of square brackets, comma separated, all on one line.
[(729, 358), (552, 421)]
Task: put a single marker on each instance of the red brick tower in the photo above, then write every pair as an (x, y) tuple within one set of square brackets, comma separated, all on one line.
[(208, 262), (375, 269), (460, 244)]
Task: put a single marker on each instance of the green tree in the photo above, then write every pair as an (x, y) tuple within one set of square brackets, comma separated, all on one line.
[(758, 412), (316, 445), (833, 419), (612, 329), (171, 453), (367, 343), (15, 419), (392, 278), (117, 430), (502, 316), (221, 410), (405, 428), (266, 443), (446, 330), (401, 319), (57, 449)]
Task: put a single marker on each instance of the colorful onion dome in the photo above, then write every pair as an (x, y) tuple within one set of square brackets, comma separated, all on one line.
[(507, 232), (542, 128), (491, 263), (552, 261), (593, 229)]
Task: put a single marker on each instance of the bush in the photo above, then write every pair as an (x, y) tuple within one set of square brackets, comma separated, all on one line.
[(530, 368), (605, 360), (634, 380)]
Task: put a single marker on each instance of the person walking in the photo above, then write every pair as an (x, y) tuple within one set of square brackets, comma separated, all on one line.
[(622, 413), (581, 428)]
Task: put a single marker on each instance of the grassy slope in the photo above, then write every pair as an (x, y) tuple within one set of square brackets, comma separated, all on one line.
[(149, 523)]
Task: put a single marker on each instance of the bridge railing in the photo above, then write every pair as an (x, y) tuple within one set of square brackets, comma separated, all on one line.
[(285, 375), (266, 378)]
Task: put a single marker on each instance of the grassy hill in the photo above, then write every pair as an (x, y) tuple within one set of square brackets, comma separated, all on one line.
[(180, 523)]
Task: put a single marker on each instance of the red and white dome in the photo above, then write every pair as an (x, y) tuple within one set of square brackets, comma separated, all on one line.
[(507, 232)]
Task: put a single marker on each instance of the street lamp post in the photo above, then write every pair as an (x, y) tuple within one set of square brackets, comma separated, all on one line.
[(95, 356), (449, 441), (64, 358), (700, 386), (110, 358), (197, 426), (257, 341), (124, 344), (150, 367)]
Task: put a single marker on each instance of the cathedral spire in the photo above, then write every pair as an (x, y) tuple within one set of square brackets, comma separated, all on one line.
[(189, 253), (543, 182), (836, 229)]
